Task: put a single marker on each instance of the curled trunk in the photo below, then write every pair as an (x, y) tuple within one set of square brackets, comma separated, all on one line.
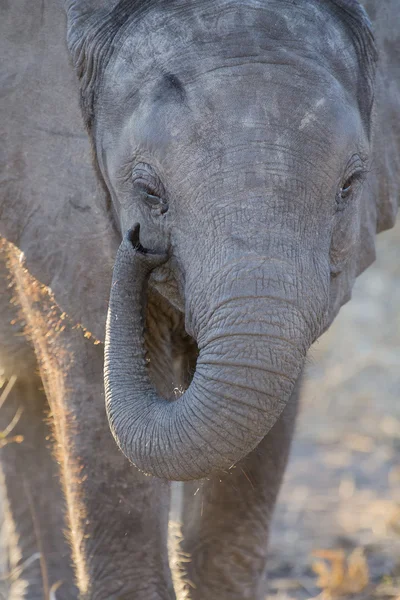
[(250, 357)]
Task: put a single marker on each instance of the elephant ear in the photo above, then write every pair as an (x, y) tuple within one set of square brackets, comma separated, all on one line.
[(374, 30), (382, 189), (93, 30), (52, 206)]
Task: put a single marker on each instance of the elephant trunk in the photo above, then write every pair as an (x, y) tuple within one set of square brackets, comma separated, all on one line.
[(251, 352)]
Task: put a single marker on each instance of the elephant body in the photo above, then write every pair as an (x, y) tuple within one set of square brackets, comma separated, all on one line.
[(202, 232)]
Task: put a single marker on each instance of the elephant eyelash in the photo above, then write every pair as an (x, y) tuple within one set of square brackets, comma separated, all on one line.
[(153, 200), (144, 175), (351, 183), (351, 180), (149, 187)]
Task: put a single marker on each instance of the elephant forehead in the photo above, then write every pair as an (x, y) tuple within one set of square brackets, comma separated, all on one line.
[(190, 39), (253, 105), (232, 28), (190, 72)]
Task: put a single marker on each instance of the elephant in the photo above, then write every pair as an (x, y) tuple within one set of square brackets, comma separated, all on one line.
[(189, 190)]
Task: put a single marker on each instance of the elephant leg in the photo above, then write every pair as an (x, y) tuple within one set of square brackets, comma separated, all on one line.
[(226, 520), (38, 555), (118, 517)]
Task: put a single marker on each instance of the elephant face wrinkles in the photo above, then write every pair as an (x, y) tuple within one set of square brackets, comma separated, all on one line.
[(246, 132), (236, 136)]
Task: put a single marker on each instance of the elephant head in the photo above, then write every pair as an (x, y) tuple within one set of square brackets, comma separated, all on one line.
[(240, 137)]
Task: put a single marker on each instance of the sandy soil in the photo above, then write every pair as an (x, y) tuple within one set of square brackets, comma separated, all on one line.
[(342, 487)]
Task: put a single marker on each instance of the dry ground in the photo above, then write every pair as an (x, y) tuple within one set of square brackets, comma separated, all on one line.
[(342, 487)]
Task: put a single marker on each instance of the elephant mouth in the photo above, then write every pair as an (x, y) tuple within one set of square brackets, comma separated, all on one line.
[(133, 236), (248, 360)]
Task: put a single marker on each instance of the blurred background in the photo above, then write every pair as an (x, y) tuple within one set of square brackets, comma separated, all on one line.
[(337, 522)]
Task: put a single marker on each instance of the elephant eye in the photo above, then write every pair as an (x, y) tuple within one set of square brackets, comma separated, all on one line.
[(152, 198), (351, 183), (148, 191), (347, 186), (149, 187)]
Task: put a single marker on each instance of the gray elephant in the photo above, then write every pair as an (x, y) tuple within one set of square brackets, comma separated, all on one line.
[(245, 154)]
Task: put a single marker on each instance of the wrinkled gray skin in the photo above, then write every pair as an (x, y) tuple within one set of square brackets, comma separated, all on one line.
[(246, 153)]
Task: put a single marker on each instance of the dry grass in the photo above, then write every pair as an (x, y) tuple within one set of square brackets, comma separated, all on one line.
[(5, 439), (5, 435)]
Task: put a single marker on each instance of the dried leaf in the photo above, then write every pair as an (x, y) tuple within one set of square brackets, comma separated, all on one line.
[(341, 576)]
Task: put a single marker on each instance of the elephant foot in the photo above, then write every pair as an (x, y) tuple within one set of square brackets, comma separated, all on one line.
[(194, 589), (208, 573)]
